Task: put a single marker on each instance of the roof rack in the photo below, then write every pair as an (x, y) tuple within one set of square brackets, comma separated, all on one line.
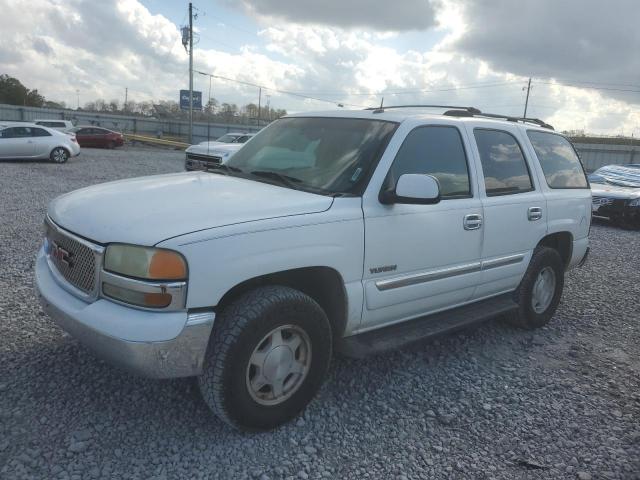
[(381, 109), (457, 111), (509, 118)]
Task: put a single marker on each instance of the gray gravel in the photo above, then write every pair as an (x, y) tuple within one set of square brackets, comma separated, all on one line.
[(562, 402)]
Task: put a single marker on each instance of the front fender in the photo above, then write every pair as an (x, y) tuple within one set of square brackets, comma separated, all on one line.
[(222, 258)]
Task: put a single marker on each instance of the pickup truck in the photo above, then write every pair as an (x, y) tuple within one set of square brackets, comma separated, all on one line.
[(350, 231)]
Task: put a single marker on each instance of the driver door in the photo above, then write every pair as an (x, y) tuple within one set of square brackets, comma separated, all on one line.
[(423, 258), (16, 142)]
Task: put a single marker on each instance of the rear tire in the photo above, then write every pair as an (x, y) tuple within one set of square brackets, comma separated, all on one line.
[(59, 155), (540, 290), (267, 357)]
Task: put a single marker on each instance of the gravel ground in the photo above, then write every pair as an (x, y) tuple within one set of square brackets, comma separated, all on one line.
[(492, 403)]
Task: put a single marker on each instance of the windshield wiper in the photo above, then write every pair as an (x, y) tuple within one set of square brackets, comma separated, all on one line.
[(221, 166), (280, 177)]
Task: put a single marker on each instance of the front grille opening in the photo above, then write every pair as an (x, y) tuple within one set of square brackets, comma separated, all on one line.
[(73, 260)]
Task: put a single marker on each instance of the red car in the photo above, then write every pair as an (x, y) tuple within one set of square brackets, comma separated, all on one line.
[(98, 137)]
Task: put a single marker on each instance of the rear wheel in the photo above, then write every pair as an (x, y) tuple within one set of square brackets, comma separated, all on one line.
[(540, 290), (267, 357), (59, 155)]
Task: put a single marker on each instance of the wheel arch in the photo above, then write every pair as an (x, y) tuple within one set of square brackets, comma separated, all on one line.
[(324, 284), (562, 242)]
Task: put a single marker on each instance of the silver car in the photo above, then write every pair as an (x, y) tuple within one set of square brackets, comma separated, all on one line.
[(31, 141)]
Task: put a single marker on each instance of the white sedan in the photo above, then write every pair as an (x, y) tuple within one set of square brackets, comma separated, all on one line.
[(35, 142)]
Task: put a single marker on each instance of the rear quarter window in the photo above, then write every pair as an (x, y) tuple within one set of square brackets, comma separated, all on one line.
[(560, 163)]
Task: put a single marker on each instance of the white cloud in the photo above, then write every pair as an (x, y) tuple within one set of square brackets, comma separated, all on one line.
[(102, 47)]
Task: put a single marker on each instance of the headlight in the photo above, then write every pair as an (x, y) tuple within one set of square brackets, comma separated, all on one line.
[(159, 276), (634, 203), (145, 262)]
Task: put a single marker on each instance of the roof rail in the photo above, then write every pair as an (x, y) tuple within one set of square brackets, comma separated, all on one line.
[(535, 121), (457, 111), (381, 109)]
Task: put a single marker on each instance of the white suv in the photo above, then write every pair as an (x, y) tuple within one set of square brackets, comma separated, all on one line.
[(351, 231)]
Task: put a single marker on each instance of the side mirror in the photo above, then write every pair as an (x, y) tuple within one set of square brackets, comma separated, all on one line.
[(413, 188)]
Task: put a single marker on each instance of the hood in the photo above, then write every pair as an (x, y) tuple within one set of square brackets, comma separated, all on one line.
[(215, 149), (614, 191), (147, 210)]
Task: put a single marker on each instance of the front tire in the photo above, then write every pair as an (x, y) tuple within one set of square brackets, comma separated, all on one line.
[(59, 155), (267, 358), (540, 290)]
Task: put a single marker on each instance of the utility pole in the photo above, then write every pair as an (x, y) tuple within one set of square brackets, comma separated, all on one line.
[(126, 98), (259, 103), (78, 95), (269, 108), (526, 102), (190, 72)]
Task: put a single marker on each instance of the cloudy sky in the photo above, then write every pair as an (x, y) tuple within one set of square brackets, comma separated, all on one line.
[(583, 55)]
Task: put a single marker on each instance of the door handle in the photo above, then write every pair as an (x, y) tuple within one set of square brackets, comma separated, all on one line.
[(534, 213), (472, 221)]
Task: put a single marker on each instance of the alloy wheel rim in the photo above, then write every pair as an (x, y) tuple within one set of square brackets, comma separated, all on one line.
[(59, 155), (278, 365), (543, 290)]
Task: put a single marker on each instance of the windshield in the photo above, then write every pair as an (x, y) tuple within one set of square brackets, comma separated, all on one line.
[(227, 138), (322, 155)]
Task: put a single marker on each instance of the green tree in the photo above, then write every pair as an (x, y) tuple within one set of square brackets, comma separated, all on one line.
[(13, 92)]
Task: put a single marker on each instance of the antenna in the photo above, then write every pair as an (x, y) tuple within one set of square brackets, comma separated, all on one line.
[(380, 109)]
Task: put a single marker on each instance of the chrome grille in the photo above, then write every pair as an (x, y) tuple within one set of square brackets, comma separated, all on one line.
[(201, 162), (75, 261)]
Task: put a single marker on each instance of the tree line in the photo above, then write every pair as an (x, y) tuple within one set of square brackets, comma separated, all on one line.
[(213, 111), (13, 92)]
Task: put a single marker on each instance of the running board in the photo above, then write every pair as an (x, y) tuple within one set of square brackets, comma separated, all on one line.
[(404, 333)]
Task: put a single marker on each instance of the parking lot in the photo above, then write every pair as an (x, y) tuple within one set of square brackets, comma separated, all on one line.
[(491, 403)]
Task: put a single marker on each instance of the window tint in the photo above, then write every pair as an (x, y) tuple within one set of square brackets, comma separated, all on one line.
[(503, 164), (560, 164), (40, 132), (436, 151), (17, 132)]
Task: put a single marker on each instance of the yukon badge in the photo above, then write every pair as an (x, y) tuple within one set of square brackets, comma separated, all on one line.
[(383, 269)]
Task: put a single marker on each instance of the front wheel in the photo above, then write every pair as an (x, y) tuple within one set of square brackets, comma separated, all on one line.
[(59, 155), (540, 290), (267, 358)]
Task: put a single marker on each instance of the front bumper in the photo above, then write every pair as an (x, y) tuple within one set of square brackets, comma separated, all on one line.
[(147, 343)]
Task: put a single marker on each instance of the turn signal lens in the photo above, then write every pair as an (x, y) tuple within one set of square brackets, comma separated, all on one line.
[(148, 300), (167, 265)]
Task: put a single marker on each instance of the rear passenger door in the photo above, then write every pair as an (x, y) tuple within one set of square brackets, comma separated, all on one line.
[(515, 217)]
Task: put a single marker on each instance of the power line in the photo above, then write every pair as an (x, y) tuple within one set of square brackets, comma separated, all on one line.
[(560, 80), (589, 87), (284, 92)]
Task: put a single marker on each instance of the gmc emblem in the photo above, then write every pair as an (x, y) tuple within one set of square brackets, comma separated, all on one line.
[(61, 254)]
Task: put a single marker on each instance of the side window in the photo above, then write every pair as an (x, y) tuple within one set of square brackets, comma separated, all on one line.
[(560, 164), (40, 132), (19, 132), (437, 151), (6, 133), (503, 164)]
